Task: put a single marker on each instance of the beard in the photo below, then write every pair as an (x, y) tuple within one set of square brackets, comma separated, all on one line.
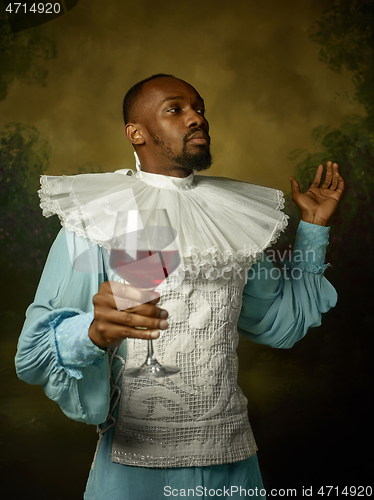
[(198, 161)]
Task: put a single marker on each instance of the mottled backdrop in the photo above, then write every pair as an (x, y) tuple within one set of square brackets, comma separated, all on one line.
[(266, 89), (253, 62)]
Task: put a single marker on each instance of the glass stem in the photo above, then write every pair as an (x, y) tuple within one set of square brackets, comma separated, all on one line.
[(151, 355)]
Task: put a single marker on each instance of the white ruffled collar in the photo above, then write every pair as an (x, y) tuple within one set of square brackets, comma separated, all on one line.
[(162, 181), (222, 224), (166, 181)]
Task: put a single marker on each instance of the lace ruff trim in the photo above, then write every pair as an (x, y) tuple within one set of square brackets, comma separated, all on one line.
[(211, 264)]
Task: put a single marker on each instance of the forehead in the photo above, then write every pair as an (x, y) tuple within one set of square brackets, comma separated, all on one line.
[(160, 90)]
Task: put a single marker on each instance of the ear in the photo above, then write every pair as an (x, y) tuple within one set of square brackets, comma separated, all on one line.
[(134, 134)]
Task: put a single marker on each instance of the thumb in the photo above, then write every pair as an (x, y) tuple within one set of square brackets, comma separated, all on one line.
[(295, 187)]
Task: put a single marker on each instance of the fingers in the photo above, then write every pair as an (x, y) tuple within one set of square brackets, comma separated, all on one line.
[(338, 181), (135, 333), (129, 296), (112, 324), (146, 310), (341, 184), (329, 174), (106, 335), (129, 324), (317, 178), (334, 181), (133, 320), (110, 327), (335, 177), (105, 301)]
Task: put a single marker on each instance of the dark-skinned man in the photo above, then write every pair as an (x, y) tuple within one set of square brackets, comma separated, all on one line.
[(190, 431)]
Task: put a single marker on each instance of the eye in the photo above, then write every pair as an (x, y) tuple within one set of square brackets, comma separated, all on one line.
[(175, 109), (201, 112)]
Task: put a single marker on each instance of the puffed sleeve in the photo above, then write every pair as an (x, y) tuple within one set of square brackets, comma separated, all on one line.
[(54, 349), (280, 304)]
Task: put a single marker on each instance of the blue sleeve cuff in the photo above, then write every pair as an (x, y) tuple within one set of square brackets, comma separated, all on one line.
[(71, 344), (310, 248)]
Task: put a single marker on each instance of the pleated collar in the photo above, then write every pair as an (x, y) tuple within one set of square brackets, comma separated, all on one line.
[(166, 181), (223, 225)]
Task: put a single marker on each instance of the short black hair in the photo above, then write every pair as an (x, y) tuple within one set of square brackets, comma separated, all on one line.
[(133, 94)]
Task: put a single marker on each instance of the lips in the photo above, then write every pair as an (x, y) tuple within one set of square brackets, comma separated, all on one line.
[(199, 138)]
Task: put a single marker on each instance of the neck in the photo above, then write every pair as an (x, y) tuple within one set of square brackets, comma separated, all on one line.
[(161, 166), (170, 171)]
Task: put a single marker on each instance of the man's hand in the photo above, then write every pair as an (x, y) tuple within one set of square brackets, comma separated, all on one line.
[(138, 309), (319, 203)]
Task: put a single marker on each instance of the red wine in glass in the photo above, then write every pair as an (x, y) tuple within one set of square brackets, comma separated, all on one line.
[(148, 269), (144, 252)]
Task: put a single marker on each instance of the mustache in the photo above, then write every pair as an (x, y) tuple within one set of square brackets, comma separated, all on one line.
[(193, 131)]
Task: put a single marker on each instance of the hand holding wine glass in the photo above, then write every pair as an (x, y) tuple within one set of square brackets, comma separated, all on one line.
[(123, 311)]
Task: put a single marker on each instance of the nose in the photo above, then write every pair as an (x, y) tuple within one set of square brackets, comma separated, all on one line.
[(195, 119)]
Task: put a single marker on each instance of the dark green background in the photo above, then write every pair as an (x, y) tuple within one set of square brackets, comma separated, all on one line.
[(287, 86)]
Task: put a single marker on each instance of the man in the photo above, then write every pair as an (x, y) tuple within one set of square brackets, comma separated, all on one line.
[(189, 431)]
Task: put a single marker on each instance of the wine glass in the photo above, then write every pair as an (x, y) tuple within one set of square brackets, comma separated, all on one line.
[(144, 252)]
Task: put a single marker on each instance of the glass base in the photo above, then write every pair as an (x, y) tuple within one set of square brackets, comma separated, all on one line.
[(153, 370)]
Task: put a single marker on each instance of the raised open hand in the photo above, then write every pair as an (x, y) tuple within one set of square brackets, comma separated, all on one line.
[(318, 204)]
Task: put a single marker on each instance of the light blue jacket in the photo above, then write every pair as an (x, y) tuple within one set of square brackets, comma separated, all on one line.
[(54, 349)]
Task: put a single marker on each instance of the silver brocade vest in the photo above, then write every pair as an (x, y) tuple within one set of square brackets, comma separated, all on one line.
[(197, 417)]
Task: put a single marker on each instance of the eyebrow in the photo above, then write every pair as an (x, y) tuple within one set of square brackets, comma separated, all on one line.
[(175, 98), (180, 98)]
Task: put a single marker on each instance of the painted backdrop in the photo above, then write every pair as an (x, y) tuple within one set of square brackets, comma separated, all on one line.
[(288, 85)]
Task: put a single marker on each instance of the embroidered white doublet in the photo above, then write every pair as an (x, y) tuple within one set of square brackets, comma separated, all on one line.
[(199, 416)]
